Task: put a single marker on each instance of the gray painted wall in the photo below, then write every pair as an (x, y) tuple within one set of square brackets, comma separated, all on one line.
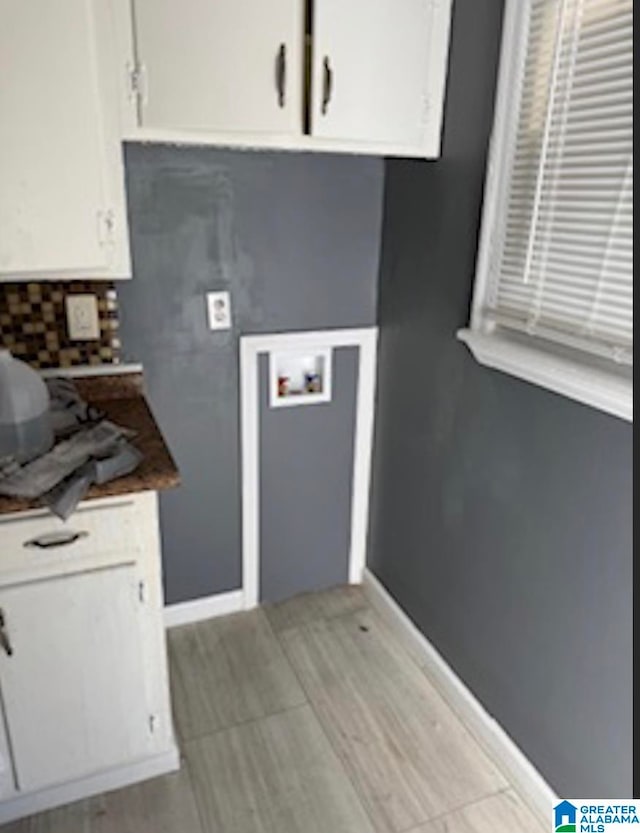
[(295, 238), (501, 513), (306, 465)]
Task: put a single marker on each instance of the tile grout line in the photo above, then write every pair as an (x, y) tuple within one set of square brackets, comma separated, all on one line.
[(414, 828), (339, 759), (203, 826), (320, 618), (490, 754), (307, 703), (428, 675), (456, 809), (424, 669), (241, 724), (182, 740), (183, 743)]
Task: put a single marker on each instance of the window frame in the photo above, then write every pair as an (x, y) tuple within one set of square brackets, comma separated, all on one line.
[(574, 373)]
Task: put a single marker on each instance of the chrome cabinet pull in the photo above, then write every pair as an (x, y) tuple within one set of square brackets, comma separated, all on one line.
[(5, 642), (327, 85), (281, 73), (51, 540)]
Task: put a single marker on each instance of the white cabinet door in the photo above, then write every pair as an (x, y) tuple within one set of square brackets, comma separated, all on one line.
[(74, 685), (55, 200), (220, 65), (378, 71)]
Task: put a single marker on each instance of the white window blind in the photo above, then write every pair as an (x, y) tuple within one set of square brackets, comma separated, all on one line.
[(560, 264)]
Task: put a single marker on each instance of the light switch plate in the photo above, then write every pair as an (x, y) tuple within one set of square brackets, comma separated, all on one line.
[(219, 310), (82, 317)]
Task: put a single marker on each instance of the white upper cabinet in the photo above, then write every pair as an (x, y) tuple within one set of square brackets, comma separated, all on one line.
[(220, 66), (378, 71), (62, 207), (234, 72)]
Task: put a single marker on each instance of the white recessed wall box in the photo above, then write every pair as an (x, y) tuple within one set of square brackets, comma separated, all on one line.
[(300, 377)]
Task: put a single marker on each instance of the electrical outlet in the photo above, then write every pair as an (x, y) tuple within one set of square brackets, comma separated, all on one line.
[(82, 317), (219, 309)]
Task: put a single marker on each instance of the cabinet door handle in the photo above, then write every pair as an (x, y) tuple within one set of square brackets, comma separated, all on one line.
[(327, 84), (281, 73), (51, 540), (5, 642)]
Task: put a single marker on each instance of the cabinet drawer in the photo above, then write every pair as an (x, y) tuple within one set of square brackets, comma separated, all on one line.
[(42, 545)]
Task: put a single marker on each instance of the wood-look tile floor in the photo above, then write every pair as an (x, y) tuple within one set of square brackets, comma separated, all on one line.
[(306, 717)]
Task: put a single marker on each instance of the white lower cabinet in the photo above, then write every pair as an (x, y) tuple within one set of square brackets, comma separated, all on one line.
[(83, 675), (73, 686)]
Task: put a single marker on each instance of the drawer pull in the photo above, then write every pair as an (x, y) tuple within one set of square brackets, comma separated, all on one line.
[(281, 73), (5, 642), (50, 540), (327, 84)]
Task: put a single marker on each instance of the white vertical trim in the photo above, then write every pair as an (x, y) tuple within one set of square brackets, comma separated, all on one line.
[(251, 347), (250, 476), (513, 51), (362, 452)]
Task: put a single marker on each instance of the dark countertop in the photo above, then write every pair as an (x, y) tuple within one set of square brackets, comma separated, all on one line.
[(122, 398)]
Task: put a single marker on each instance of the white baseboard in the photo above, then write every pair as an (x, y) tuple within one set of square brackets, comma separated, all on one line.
[(208, 607), (508, 757), (112, 779)]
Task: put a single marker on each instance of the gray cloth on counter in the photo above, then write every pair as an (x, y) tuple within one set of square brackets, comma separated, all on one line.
[(89, 449), (67, 408)]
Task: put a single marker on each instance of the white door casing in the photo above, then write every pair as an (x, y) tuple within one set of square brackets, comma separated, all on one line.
[(251, 347)]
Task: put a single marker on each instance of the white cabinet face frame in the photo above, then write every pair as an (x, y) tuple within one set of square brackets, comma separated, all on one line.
[(251, 348), (62, 203)]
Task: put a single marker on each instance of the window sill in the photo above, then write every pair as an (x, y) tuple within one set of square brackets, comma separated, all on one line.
[(553, 369)]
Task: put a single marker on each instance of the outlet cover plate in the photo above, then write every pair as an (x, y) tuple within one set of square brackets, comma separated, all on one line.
[(219, 310), (82, 317)]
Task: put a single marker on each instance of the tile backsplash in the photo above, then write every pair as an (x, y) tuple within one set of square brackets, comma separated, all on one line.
[(33, 324)]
